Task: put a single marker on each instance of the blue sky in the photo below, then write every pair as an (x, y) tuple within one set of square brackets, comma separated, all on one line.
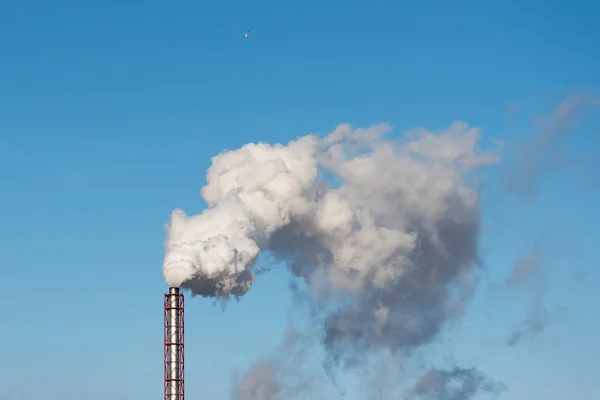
[(111, 110)]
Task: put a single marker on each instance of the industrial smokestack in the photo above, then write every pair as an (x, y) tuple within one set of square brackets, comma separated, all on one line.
[(174, 345)]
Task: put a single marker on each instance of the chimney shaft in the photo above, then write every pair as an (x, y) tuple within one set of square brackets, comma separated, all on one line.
[(174, 345)]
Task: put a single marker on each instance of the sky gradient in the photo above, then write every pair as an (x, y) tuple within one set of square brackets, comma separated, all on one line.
[(110, 112)]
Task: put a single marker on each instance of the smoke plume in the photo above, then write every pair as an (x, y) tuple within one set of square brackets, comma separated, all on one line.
[(382, 232)]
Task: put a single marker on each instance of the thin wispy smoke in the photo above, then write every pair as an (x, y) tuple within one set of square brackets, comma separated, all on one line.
[(455, 384), (535, 323), (383, 378), (280, 376), (261, 382), (527, 274), (545, 149), (525, 267)]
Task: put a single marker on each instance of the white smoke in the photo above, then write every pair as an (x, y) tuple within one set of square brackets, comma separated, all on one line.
[(251, 193), (382, 231), (389, 194)]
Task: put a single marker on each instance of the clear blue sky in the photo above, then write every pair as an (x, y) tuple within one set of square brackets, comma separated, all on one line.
[(109, 114)]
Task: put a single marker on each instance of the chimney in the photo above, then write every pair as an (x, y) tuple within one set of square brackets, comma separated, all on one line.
[(174, 345)]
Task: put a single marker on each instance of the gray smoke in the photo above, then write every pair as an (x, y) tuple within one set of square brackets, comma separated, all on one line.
[(261, 382), (537, 320), (398, 266), (525, 267), (527, 273), (396, 206), (382, 232), (280, 376), (380, 236), (454, 384)]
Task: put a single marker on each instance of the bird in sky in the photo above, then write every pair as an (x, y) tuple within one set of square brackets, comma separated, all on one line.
[(246, 35)]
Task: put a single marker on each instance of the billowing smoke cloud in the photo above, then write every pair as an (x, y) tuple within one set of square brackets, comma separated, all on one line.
[(398, 224), (454, 384), (251, 192), (393, 206), (380, 236), (382, 232)]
